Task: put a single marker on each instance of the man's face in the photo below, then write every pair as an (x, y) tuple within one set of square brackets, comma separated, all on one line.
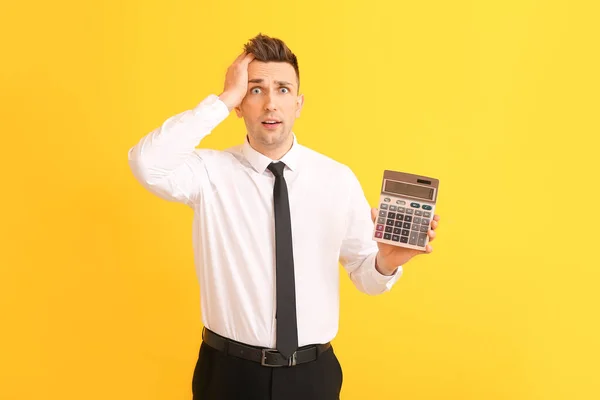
[(272, 96)]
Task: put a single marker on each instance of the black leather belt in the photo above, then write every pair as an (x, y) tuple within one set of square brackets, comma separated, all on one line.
[(264, 356)]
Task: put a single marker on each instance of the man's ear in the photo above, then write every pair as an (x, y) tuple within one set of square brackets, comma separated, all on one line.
[(238, 111), (299, 104)]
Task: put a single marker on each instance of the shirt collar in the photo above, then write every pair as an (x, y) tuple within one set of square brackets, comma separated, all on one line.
[(260, 162)]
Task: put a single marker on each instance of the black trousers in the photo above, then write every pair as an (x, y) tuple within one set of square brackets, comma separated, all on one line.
[(219, 376)]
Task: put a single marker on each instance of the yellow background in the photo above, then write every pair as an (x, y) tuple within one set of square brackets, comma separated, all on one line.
[(499, 100)]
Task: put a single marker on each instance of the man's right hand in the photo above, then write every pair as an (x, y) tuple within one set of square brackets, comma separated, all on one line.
[(236, 81)]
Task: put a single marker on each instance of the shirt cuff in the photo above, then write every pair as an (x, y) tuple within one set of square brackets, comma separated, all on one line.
[(214, 107), (387, 280)]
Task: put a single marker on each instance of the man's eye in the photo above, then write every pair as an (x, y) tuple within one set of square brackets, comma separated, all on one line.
[(254, 90), (286, 89)]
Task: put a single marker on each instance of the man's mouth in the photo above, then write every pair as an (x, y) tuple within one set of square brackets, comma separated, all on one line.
[(271, 122)]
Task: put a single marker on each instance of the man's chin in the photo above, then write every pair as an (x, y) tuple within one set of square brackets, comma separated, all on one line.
[(269, 137)]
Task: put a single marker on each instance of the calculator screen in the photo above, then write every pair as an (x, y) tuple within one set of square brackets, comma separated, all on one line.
[(408, 190)]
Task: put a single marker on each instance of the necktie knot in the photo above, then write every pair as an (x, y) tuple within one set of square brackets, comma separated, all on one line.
[(276, 169)]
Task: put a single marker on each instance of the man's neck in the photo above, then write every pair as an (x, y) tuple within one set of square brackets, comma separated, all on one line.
[(275, 152)]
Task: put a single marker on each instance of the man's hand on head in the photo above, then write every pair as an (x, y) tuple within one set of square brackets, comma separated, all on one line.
[(236, 81)]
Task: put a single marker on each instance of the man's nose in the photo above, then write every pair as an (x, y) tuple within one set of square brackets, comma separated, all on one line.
[(269, 102)]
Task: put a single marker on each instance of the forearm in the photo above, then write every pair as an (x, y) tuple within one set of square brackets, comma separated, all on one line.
[(166, 148), (368, 279), (166, 162), (382, 268)]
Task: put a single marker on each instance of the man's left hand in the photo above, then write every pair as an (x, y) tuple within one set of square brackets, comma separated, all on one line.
[(390, 257)]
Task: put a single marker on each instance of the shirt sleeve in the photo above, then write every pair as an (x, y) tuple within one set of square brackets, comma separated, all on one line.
[(166, 161), (359, 250)]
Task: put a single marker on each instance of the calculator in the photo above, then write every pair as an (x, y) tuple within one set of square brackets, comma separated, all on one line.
[(406, 208)]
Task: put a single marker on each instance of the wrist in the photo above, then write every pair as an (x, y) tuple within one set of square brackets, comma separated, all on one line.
[(228, 99), (383, 269)]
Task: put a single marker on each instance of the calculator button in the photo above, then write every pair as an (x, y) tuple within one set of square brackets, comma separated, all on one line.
[(415, 205), (404, 239), (387, 236), (395, 238), (378, 235), (391, 215), (379, 227), (427, 214), (424, 228), (416, 227), (421, 240), (382, 213), (400, 209), (426, 207), (390, 222), (383, 206), (396, 231), (401, 202), (405, 232), (389, 229), (387, 199), (399, 216), (409, 211), (398, 224), (417, 220), (419, 213), (406, 225), (412, 239), (393, 208), (408, 218), (381, 220), (425, 221)]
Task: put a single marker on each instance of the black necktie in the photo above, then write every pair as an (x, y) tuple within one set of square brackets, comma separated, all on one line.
[(287, 331)]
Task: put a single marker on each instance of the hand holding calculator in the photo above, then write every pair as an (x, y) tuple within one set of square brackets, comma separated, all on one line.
[(406, 208)]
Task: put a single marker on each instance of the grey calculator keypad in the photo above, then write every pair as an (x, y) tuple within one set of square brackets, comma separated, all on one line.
[(408, 224)]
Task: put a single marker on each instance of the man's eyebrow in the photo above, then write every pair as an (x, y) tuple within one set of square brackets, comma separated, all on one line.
[(280, 83)]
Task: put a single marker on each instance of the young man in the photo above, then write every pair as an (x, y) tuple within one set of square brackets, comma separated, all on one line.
[(272, 219)]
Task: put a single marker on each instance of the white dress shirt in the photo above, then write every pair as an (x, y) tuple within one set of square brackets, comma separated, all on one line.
[(231, 193)]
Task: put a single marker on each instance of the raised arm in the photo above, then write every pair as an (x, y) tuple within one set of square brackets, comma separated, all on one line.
[(166, 161), (359, 250)]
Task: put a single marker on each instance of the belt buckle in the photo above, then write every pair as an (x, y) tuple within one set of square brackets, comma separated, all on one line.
[(263, 359)]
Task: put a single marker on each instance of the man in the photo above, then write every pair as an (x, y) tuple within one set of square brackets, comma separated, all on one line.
[(272, 219)]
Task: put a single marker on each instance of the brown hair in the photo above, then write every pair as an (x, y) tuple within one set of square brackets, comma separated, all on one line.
[(267, 49)]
